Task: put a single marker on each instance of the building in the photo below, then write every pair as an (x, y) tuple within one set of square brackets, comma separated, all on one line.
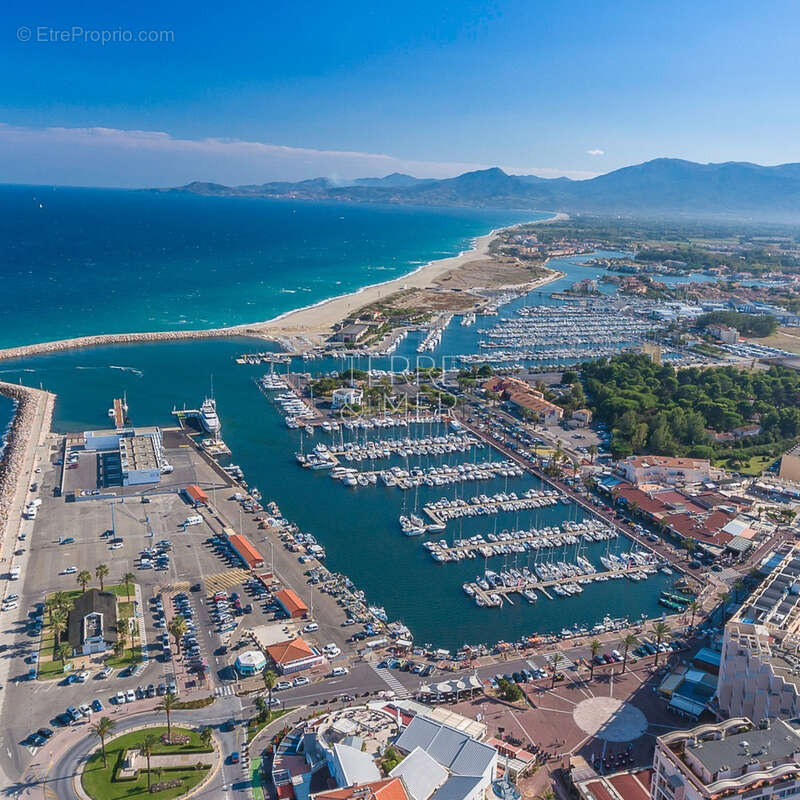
[(195, 495), (251, 662), (723, 333), (292, 605), (347, 396), (523, 396), (386, 789), (732, 758), (245, 551), (140, 460), (352, 333), (583, 416), (294, 655), (665, 469), (140, 452), (790, 465), (92, 622), (759, 671), (444, 763)]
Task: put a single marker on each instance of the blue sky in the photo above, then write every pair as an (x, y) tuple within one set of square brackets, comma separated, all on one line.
[(246, 91)]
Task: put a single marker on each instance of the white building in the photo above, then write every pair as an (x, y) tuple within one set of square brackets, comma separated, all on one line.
[(734, 758), (347, 396), (140, 450), (759, 672), (665, 469)]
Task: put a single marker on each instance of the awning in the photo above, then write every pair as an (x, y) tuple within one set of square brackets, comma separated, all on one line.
[(687, 706)]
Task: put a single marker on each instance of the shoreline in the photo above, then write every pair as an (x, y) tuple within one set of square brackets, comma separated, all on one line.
[(314, 320)]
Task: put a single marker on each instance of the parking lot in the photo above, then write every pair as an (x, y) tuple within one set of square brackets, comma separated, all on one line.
[(177, 568)]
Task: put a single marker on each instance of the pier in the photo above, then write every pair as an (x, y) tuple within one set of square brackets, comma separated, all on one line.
[(442, 511), (489, 598)]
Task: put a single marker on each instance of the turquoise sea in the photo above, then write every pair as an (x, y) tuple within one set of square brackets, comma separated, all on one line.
[(358, 527), (84, 261)]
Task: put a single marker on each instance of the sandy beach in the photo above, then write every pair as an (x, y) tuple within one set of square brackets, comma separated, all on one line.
[(311, 324)]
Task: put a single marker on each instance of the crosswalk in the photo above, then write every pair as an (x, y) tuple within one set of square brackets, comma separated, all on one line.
[(224, 691), (222, 581), (389, 679)]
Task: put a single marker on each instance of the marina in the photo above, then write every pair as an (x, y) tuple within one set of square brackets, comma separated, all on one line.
[(357, 531)]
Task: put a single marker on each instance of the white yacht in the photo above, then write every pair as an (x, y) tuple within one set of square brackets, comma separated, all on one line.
[(208, 417)]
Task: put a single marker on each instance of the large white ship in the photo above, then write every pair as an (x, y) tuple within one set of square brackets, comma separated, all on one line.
[(208, 417)]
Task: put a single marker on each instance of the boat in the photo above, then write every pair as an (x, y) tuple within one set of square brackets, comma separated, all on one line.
[(208, 417)]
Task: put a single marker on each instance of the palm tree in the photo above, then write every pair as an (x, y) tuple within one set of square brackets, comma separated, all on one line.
[(177, 627), (101, 572), (724, 598), (261, 705), (595, 647), (629, 641), (694, 607), (554, 663), (737, 588), (166, 705), (661, 631), (101, 729), (61, 600), (84, 578), (593, 451), (205, 736), (128, 578), (270, 679), (64, 652), (147, 745), (58, 623), (122, 636)]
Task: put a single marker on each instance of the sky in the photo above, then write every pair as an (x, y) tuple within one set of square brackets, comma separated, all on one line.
[(245, 92)]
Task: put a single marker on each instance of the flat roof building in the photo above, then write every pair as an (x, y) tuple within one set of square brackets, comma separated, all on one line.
[(731, 758)]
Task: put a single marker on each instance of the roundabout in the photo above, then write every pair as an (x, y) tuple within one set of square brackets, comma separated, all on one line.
[(609, 719)]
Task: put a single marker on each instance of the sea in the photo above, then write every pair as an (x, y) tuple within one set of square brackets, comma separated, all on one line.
[(113, 261)]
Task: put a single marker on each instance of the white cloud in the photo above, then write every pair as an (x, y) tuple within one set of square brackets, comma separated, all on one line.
[(98, 156), (595, 152)]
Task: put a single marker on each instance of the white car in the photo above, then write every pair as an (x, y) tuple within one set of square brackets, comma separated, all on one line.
[(332, 652), (281, 685), (130, 696), (105, 672), (301, 680), (339, 671), (116, 546), (69, 570), (311, 627), (119, 699), (85, 710), (83, 676)]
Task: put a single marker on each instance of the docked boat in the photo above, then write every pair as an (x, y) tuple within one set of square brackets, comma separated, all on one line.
[(209, 418)]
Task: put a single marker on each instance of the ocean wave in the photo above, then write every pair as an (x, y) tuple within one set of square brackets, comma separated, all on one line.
[(135, 371)]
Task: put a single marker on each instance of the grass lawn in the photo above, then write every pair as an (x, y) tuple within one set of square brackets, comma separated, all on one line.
[(753, 466), (784, 339), (97, 779), (255, 725), (50, 667), (255, 779)]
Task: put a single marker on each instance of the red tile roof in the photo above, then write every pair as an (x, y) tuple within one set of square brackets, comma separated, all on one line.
[(292, 650), (387, 789)]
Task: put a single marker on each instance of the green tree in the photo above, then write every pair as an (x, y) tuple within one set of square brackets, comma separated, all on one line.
[(177, 627), (128, 578), (661, 631), (694, 607), (84, 578), (261, 705), (101, 572), (595, 647), (555, 662), (101, 729), (206, 736), (270, 679), (167, 705), (628, 641), (146, 747), (64, 652), (58, 623)]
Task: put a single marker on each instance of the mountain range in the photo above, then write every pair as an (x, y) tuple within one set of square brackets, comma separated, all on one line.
[(663, 186)]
